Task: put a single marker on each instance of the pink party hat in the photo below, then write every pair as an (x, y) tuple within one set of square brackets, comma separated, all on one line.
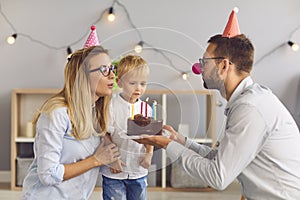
[(92, 39), (232, 28)]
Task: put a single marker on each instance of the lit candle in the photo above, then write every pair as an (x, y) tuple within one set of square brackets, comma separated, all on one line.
[(132, 111), (154, 109), (142, 108), (146, 106)]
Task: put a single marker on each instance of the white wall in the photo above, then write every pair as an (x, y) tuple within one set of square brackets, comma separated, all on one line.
[(181, 27)]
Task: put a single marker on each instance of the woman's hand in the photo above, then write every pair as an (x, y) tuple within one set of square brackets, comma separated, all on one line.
[(103, 155), (106, 154)]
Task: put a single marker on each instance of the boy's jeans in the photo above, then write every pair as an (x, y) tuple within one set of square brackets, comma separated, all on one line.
[(131, 189)]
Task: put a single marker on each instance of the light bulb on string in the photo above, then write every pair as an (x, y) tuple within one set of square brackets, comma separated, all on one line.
[(111, 16), (184, 76), (294, 46), (139, 47), (12, 39)]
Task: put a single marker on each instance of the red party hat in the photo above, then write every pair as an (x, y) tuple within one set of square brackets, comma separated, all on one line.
[(232, 28), (92, 39)]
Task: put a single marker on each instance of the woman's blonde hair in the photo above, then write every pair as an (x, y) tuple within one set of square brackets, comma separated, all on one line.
[(130, 63), (76, 95)]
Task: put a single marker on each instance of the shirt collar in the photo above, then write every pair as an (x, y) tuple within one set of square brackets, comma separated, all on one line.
[(238, 90), (123, 101)]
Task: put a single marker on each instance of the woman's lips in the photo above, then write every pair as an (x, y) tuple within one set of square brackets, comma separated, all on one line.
[(110, 85)]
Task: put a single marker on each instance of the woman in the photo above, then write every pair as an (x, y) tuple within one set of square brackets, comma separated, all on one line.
[(68, 130)]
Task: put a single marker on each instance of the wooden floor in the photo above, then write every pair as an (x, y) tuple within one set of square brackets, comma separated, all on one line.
[(231, 193)]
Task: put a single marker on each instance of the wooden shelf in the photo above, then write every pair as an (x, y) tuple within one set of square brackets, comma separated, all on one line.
[(24, 139), (24, 103)]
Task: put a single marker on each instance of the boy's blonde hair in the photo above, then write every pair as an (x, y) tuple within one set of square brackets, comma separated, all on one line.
[(130, 63)]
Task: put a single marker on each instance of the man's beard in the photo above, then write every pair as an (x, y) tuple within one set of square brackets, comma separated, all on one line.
[(214, 82)]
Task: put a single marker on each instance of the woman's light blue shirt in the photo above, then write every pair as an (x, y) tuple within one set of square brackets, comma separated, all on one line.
[(54, 146)]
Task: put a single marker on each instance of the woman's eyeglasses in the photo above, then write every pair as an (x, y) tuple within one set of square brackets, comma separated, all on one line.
[(104, 69)]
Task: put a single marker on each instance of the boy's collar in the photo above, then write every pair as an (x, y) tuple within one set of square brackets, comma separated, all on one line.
[(125, 99)]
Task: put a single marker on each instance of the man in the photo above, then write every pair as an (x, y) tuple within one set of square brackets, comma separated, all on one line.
[(261, 143)]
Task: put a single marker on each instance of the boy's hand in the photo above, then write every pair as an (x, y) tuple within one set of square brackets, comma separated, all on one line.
[(145, 160), (117, 166)]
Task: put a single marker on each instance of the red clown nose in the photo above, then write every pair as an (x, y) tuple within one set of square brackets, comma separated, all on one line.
[(196, 68)]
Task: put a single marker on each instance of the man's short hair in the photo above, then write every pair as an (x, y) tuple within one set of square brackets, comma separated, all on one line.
[(238, 49)]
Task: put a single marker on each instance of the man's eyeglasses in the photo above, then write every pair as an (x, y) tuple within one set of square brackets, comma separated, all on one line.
[(104, 69), (202, 61)]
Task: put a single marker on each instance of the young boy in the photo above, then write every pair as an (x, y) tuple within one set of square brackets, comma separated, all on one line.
[(127, 178)]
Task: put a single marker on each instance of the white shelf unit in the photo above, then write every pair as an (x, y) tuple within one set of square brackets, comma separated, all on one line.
[(25, 102)]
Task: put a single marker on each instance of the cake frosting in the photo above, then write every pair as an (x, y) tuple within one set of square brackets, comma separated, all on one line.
[(143, 125)]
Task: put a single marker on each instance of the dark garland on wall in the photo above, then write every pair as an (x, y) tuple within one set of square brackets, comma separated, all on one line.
[(109, 13), (140, 45)]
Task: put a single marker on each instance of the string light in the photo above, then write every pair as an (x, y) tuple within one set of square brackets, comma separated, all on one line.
[(294, 46), (184, 76), (12, 39), (111, 15), (110, 10), (149, 46), (115, 2), (139, 47), (41, 42)]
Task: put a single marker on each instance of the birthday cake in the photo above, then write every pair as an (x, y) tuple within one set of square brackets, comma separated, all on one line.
[(143, 125)]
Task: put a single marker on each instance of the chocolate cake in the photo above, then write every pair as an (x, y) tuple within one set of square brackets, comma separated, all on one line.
[(143, 125)]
